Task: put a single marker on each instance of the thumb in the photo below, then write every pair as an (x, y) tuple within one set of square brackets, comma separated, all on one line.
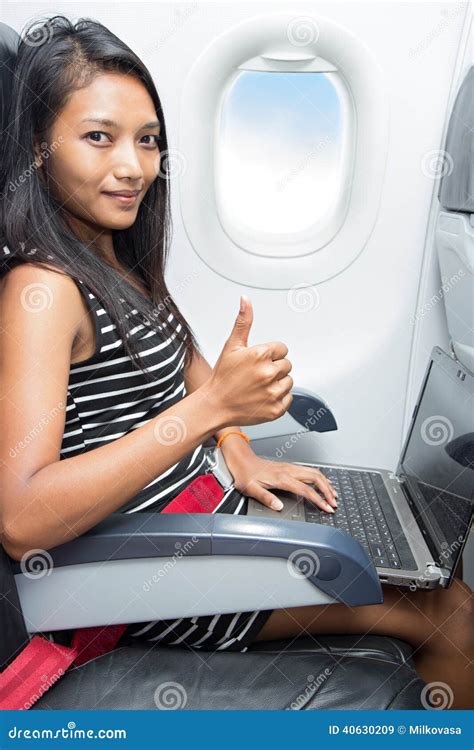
[(240, 332)]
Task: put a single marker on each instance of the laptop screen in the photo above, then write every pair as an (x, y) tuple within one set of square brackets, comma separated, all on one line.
[(438, 458)]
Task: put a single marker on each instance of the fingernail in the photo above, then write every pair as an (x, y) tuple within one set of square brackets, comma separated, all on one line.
[(331, 509), (276, 505)]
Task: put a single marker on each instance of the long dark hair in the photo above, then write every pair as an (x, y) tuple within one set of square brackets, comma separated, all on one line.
[(55, 56)]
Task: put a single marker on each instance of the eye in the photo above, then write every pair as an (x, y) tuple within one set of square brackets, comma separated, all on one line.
[(95, 133), (156, 137)]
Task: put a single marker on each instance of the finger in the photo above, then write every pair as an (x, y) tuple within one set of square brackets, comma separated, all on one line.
[(285, 385), (267, 498), (300, 488), (282, 368), (315, 476), (286, 401), (277, 349)]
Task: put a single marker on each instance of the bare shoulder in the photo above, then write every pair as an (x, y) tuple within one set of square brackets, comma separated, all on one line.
[(48, 291), (31, 273)]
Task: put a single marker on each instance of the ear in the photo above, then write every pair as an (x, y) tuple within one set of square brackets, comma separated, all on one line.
[(38, 158)]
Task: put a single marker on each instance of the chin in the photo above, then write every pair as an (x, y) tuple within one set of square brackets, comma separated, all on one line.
[(120, 222)]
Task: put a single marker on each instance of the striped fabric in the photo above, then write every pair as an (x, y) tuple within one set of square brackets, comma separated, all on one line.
[(108, 397)]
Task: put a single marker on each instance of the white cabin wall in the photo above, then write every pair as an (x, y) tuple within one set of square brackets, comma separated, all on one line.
[(354, 347)]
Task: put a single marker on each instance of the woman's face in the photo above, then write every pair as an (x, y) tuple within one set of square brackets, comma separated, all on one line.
[(89, 160)]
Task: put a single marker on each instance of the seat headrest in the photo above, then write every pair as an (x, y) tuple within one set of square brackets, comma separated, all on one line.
[(456, 190), (9, 40)]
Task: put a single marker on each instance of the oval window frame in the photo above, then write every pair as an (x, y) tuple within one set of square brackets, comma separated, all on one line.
[(322, 230), (267, 40)]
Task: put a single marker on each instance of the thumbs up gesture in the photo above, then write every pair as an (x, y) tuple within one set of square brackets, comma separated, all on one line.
[(251, 384)]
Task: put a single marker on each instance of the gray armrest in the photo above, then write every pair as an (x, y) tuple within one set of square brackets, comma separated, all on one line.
[(148, 566), (307, 412)]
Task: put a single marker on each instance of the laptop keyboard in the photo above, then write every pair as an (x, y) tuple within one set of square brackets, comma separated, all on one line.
[(361, 495)]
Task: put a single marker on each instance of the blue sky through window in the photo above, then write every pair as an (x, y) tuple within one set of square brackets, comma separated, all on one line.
[(279, 164)]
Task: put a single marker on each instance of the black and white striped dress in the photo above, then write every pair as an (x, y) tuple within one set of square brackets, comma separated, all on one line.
[(108, 397)]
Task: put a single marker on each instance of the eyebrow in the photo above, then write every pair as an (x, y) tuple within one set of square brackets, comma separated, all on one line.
[(113, 124)]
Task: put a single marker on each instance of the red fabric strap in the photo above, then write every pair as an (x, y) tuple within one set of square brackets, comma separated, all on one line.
[(202, 495), (42, 662)]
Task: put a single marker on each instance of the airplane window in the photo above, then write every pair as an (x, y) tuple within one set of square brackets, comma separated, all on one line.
[(280, 151), (285, 150)]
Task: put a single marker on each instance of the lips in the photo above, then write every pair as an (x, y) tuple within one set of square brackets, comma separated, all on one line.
[(126, 197), (123, 193)]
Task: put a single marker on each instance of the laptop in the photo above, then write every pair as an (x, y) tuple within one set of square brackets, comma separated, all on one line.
[(413, 523)]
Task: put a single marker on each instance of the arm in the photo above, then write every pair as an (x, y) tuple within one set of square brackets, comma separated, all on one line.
[(254, 475), (46, 501), (234, 449)]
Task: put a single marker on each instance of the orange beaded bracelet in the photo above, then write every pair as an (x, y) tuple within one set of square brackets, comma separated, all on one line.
[(232, 432)]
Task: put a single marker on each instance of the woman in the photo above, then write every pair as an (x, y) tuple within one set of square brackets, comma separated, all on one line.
[(94, 349)]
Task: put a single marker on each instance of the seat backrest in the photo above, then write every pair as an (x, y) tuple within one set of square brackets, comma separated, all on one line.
[(9, 40), (456, 190), (454, 233), (14, 635), (12, 625)]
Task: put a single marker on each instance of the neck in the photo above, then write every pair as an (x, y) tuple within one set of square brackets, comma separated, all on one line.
[(100, 240)]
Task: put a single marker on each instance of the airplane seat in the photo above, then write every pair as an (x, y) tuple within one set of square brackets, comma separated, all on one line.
[(98, 579), (330, 672), (305, 673), (454, 234)]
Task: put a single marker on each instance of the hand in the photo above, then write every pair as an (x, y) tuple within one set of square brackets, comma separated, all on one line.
[(250, 384), (254, 475)]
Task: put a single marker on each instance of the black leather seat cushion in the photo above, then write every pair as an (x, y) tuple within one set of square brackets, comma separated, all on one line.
[(332, 672)]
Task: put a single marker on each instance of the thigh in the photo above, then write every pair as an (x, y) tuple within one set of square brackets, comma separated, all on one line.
[(410, 615)]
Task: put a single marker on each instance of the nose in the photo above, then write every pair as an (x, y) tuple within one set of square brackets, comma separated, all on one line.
[(126, 162)]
